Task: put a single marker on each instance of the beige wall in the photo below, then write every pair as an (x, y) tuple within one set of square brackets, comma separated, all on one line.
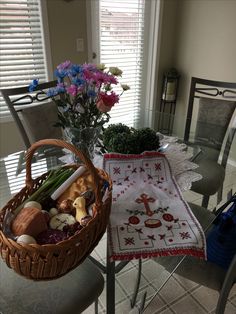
[(205, 47), (67, 21), (168, 40)]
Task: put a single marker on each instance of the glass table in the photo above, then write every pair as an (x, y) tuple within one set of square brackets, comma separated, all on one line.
[(11, 182)]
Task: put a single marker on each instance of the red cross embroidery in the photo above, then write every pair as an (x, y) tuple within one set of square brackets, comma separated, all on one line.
[(116, 170), (145, 200), (158, 166), (162, 236), (129, 241), (185, 235)]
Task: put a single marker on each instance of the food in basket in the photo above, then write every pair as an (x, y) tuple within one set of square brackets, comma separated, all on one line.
[(33, 204), (68, 214), (53, 211), (66, 206), (30, 221), (25, 238), (61, 220), (80, 206), (51, 236)]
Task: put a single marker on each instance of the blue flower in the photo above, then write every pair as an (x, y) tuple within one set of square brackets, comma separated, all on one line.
[(91, 93), (78, 81), (60, 74), (33, 85), (52, 92), (75, 69)]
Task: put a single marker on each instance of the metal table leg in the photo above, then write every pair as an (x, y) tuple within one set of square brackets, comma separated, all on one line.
[(110, 286), (136, 289)]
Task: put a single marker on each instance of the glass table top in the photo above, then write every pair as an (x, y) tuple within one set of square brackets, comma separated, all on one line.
[(12, 179)]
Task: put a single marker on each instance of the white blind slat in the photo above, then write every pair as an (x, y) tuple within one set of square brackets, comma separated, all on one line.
[(21, 45), (121, 44)]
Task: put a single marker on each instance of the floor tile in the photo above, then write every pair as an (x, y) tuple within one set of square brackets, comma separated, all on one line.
[(229, 309), (154, 305), (207, 297), (171, 291), (187, 284), (187, 305)]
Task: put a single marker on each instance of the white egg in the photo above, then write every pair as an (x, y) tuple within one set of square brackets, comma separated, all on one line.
[(53, 211), (25, 238), (33, 204)]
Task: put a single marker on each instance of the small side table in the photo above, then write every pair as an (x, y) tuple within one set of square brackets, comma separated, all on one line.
[(168, 101)]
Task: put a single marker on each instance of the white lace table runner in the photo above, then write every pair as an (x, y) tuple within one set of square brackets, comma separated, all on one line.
[(149, 216), (179, 156)]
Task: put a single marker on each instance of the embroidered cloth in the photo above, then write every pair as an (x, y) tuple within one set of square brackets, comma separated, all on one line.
[(149, 216)]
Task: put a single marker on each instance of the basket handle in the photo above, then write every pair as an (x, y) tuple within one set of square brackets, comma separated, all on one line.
[(60, 143)]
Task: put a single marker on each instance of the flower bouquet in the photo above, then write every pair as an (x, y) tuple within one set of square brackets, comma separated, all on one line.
[(84, 95)]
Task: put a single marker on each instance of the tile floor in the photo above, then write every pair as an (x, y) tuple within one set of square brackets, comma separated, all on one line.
[(178, 296)]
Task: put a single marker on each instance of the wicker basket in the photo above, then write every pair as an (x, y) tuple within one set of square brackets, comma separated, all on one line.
[(51, 261)]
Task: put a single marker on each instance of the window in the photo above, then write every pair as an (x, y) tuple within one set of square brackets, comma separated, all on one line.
[(125, 34), (22, 52)]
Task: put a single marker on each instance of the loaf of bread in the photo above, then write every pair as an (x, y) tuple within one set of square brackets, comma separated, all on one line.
[(30, 221)]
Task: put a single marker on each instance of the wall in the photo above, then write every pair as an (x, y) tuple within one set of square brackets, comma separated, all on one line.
[(67, 21), (205, 47), (168, 40)]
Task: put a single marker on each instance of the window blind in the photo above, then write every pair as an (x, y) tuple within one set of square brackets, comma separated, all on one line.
[(22, 56), (121, 45)]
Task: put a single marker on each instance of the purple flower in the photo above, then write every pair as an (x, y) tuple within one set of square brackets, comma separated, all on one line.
[(64, 66)]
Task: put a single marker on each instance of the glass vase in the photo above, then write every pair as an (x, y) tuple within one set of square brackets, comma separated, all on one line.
[(83, 139)]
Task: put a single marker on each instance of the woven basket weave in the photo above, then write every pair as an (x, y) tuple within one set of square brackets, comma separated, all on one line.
[(51, 261)]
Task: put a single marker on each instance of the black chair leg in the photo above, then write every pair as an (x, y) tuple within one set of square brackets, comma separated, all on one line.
[(219, 194), (96, 306), (205, 201)]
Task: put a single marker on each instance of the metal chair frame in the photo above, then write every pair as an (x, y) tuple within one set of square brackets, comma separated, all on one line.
[(221, 90), (17, 104)]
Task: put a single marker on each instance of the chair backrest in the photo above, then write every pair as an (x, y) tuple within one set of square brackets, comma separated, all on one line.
[(210, 110), (33, 113)]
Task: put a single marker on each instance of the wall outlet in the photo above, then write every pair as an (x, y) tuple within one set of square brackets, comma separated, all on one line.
[(80, 44)]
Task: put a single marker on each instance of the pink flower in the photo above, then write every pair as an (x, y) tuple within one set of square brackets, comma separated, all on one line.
[(72, 90), (107, 101), (102, 107)]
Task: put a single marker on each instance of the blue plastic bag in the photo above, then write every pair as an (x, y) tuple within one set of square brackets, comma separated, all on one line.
[(221, 240)]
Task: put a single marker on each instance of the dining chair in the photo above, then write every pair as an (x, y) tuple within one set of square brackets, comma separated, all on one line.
[(72, 293), (203, 272), (210, 130), (35, 116), (32, 112)]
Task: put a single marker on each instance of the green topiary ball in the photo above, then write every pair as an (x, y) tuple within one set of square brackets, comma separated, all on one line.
[(120, 138)]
